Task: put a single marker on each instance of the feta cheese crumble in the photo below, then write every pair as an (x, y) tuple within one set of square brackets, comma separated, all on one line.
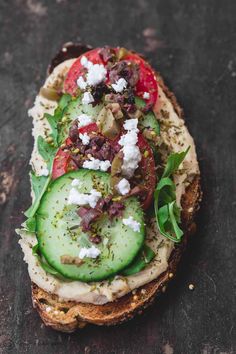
[(92, 252), (96, 74), (44, 172), (146, 95), (87, 98), (120, 85), (95, 164), (123, 186), (84, 120), (77, 198), (85, 62), (76, 183), (81, 83), (132, 155), (85, 138), (133, 224), (131, 125)]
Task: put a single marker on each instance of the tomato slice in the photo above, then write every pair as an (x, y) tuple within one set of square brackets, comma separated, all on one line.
[(77, 70), (147, 79), (62, 162)]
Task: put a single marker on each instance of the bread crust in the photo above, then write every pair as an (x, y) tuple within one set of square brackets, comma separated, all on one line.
[(69, 316)]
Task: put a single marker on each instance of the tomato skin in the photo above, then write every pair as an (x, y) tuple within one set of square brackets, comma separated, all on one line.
[(147, 80), (76, 70), (62, 162)]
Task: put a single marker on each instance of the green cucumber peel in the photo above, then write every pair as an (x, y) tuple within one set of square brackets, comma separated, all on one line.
[(143, 258)]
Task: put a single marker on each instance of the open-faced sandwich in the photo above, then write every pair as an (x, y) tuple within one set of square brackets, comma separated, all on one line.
[(115, 186)]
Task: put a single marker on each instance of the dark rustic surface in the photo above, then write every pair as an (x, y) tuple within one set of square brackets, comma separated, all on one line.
[(193, 45)]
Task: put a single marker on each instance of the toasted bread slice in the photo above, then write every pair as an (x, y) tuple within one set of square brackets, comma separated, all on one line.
[(68, 316)]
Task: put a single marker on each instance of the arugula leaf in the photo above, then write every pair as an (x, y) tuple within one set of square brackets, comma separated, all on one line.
[(141, 260), (46, 150), (39, 186), (173, 162), (53, 125), (166, 210), (64, 101), (172, 207), (30, 224)]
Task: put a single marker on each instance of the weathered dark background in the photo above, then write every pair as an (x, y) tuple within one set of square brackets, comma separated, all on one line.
[(193, 45)]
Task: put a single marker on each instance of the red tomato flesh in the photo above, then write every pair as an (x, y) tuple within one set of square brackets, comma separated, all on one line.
[(147, 81)]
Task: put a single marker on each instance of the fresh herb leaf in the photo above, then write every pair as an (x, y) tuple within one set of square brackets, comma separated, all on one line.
[(64, 101), (173, 162), (174, 218), (166, 210), (141, 260), (46, 150), (31, 224), (39, 186), (53, 125)]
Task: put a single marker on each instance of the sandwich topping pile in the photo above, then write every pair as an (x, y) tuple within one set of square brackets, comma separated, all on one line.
[(110, 163)]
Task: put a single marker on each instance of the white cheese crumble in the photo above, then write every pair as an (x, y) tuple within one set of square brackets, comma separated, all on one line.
[(77, 198), (146, 95), (84, 120), (133, 224), (76, 183), (81, 83), (131, 125), (132, 155), (85, 62), (43, 172), (123, 186), (96, 74), (92, 252), (120, 85), (95, 164), (87, 98), (85, 138)]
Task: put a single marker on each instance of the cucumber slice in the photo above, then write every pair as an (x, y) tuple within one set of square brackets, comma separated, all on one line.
[(74, 109), (58, 231), (149, 120)]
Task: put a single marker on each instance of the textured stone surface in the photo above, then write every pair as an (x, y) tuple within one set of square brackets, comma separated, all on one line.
[(193, 45)]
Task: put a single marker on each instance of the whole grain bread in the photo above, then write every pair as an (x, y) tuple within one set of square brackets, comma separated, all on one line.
[(69, 316)]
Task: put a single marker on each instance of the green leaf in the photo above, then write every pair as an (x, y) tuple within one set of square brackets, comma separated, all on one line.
[(39, 186), (166, 211), (64, 101), (31, 224), (141, 260), (173, 218), (46, 150), (53, 124), (173, 162)]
